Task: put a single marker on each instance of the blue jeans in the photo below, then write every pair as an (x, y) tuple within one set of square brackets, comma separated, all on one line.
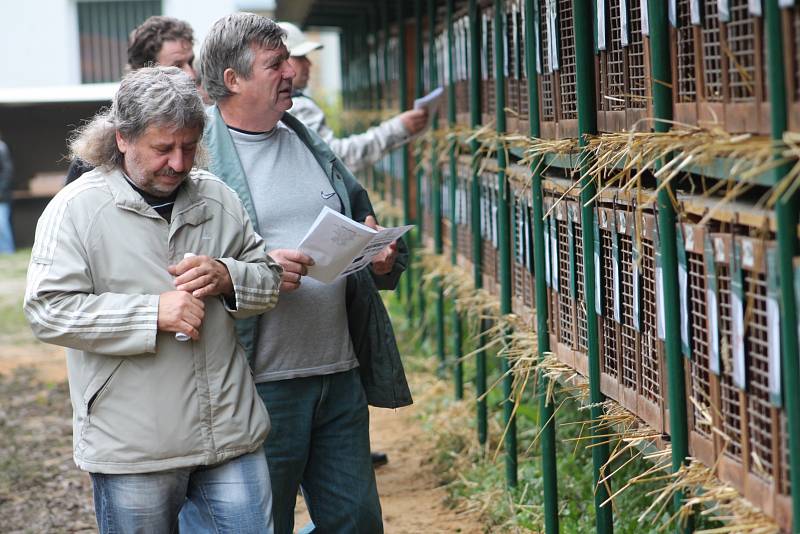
[(6, 233), (233, 497), (320, 441)]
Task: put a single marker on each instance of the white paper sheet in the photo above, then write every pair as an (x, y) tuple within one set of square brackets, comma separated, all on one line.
[(340, 246)]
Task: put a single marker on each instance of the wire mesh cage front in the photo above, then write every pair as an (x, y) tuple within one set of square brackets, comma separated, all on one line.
[(488, 58), (463, 211), (623, 67), (461, 74), (719, 65), (521, 238), (557, 68), (489, 230)]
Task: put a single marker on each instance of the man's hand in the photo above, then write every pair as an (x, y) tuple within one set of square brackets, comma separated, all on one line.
[(383, 263), (295, 265), (179, 311), (202, 276), (414, 120)]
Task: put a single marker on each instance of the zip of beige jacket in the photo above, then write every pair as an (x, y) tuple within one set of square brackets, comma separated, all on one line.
[(141, 400)]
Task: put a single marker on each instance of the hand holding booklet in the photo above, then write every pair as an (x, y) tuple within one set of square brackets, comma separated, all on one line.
[(340, 245)]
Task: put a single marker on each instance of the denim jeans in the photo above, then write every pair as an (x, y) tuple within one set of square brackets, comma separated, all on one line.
[(233, 497), (6, 232), (320, 441)]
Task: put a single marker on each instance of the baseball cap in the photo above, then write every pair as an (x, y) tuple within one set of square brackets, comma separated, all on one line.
[(296, 40)]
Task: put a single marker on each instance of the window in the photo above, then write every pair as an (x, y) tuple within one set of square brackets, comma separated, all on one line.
[(103, 29)]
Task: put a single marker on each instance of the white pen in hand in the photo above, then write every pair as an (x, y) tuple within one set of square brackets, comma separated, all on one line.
[(180, 336)]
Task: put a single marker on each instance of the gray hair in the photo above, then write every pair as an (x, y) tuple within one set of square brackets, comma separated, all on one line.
[(164, 96), (229, 45)]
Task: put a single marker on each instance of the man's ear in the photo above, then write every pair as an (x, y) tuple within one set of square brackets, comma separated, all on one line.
[(122, 144), (231, 80)]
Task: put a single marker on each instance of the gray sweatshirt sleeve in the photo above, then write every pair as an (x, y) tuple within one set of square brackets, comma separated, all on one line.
[(356, 151)]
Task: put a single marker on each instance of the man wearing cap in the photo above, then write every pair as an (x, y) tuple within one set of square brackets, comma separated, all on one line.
[(356, 151)]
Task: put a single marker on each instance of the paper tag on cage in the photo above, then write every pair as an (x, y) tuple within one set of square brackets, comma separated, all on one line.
[(554, 278), (672, 12), (645, 17), (661, 327), (786, 3), (615, 270), (601, 24), (495, 235), (755, 8), (552, 34), (623, 20), (694, 12), (547, 260), (712, 306), (723, 11), (774, 329), (683, 293), (537, 44), (637, 291), (737, 320), (573, 289), (598, 293)]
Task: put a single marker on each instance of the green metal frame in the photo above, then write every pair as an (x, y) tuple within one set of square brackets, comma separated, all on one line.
[(503, 224), (546, 409), (676, 381), (475, 198), (587, 125)]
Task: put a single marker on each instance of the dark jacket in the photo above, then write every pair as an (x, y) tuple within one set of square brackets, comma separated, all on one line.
[(381, 368), (6, 173)]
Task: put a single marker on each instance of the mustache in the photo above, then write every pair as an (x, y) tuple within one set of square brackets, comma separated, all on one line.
[(170, 173)]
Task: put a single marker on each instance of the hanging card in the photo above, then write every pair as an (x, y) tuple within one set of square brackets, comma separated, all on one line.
[(573, 291), (683, 290), (712, 306), (737, 318), (547, 251), (754, 7), (554, 253), (601, 24), (598, 293), (723, 11), (661, 327), (774, 328), (623, 16), (552, 35), (694, 12), (672, 13), (645, 17), (616, 273)]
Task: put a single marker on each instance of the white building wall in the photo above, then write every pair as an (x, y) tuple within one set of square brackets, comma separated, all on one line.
[(39, 43)]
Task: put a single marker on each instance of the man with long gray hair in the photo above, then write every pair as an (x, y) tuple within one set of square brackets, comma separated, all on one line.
[(140, 269), (327, 350)]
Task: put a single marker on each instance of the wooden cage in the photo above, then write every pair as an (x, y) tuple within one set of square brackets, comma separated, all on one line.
[(719, 65), (521, 238), (488, 58), (631, 353), (461, 62), (557, 68), (622, 66), (731, 334), (490, 235), (463, 210)]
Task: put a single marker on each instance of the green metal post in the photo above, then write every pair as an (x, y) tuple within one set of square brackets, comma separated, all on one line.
[(436, 186), (786, 212), (386, 174), (503, 223), (475, 200), (458, 349), (419, 89), (676, 385), (547, 434), (587, 125), (405, 172)]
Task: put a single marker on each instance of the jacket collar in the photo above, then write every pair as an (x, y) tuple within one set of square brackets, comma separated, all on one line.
[(190, 207)]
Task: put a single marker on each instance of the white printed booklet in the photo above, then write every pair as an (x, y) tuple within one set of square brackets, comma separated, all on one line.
[(340, 246)]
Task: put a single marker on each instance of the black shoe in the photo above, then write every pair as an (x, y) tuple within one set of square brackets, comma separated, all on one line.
[(379, 459)]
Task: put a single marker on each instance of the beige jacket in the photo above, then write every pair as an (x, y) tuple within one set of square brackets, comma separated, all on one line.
[(141, 400), (356, 151)]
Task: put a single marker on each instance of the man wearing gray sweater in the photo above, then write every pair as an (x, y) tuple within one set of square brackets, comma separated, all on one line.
[(308, 356)]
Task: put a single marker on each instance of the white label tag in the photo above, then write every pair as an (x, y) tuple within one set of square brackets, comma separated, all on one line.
[(616, 281), (601, 24), (623, 10), (737, 325), (724, 12), (645, 18), (786, 3), (672, 12), (694, 12), (713, 331), (774, 349), (554, 250), (547, 255), (754, 6), (661, 329), (683, 287), (552, 35), (598, 307)]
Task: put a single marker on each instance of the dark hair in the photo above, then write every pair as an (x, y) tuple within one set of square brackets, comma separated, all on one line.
[(147, 39)]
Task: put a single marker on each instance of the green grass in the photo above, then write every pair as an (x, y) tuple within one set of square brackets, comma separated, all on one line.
[(14, 266), (475, 477)]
